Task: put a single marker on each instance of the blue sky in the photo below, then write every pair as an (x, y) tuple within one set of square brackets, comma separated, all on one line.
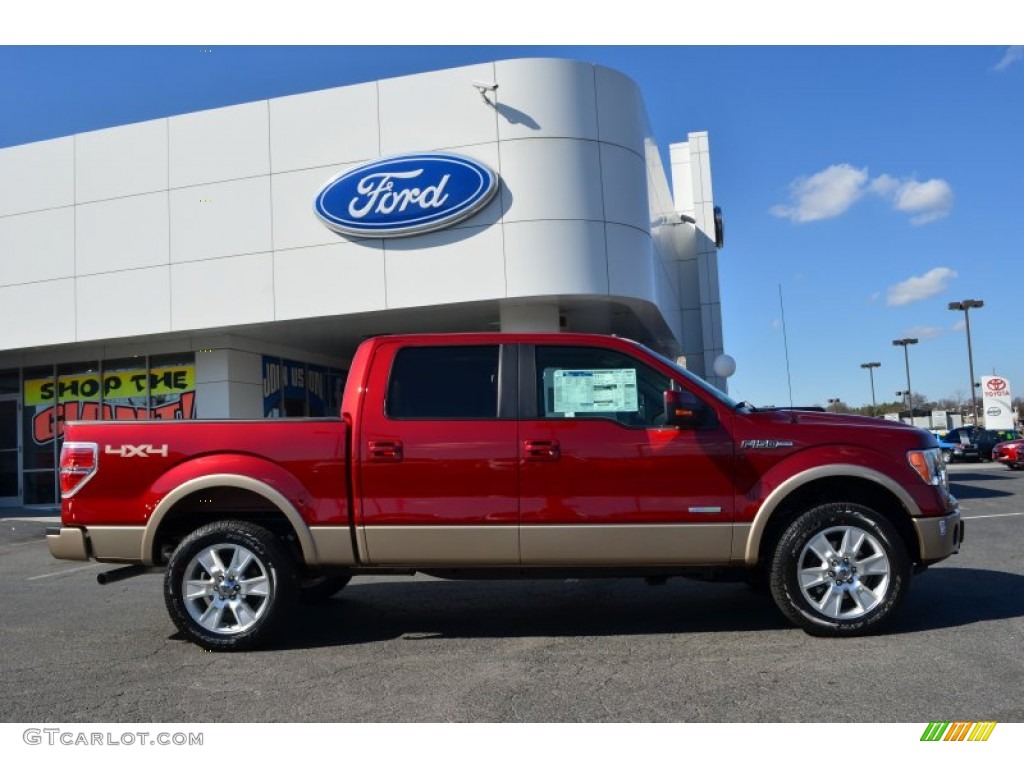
[(874, 184)]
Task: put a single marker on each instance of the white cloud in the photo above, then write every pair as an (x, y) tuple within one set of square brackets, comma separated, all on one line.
[(831, 192), (928, 200), (923, 332), (1013, 53), (918, 288), (824, 195), (959, 325), (884, 185)]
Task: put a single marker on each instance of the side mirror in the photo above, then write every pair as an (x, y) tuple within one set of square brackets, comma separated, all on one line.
[(685, 409)]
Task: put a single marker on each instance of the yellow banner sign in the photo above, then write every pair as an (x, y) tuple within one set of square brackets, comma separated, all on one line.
[(116, 385)]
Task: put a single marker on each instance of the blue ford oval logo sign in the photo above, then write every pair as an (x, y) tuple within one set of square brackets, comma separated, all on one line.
[(405, 195)]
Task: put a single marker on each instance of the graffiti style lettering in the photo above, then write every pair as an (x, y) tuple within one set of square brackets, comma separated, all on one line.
[(48, 423)]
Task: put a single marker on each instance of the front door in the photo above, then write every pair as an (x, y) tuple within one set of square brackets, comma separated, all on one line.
[(10, 491), (603, 480)]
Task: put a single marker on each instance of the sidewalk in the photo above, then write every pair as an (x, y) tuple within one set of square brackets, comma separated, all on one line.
[(49, 514)]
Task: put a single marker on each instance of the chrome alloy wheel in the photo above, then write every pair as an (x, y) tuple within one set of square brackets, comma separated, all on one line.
[(844, 572), (226, 588)]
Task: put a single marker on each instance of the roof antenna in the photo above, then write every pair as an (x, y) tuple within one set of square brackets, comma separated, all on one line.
[(785, 343)]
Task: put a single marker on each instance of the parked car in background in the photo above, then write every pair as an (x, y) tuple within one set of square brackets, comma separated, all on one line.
[(961, 445), (945, 447), (1010, 453), (988, 439)]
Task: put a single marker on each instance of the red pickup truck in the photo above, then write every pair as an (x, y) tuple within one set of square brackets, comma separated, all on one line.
[(510, 455)]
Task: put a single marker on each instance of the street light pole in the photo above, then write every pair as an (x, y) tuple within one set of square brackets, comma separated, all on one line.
[(906, 356), (871, 372), (966, 306)]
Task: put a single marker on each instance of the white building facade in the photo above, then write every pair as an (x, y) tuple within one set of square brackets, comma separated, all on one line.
[(176, 269)]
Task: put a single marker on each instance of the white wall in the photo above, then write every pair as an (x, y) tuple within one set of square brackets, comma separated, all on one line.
[(697, 260), (204, 221)]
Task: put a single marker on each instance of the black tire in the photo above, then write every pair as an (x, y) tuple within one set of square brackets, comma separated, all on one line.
[(947, 455), (323, 586), (234, 605), (840, 597)]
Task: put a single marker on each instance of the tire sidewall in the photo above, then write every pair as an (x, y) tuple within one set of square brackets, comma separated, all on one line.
[(786, 562), (280, 575)]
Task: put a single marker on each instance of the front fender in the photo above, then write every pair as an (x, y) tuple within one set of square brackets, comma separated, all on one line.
[(785, 487)]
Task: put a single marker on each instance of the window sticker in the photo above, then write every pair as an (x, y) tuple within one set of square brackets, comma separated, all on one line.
[(595, 391)]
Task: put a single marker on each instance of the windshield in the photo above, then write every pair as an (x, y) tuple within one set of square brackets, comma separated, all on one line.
[(698, 382)]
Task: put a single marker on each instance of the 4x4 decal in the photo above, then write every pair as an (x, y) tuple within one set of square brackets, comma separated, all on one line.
[(129, 451)]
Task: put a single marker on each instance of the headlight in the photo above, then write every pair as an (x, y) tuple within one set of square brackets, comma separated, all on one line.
[(930, 466)]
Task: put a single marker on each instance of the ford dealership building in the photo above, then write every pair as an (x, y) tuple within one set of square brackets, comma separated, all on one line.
[(226, 263)]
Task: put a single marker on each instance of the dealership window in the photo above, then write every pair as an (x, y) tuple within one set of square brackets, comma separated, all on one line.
[(458, 382), (131, 388), (125, 388), (9, 427), (172, 386), (9, 382), (39, 435), (293, 389), (589, 382)]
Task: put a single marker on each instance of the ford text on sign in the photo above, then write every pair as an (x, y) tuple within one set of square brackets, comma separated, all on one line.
[(405, 195)]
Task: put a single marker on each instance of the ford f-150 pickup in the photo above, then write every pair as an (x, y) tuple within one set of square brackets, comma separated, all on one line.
[(509, 456)]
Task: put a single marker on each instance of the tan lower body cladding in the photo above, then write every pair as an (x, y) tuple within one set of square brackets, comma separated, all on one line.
[(547, 545)]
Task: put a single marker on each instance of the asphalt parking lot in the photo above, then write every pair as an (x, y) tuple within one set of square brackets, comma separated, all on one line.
[(402, 649)]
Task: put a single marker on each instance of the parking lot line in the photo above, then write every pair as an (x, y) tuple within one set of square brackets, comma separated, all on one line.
[(982, 517), (61, 573)]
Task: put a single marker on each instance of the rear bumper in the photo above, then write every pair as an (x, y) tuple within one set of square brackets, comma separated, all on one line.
[(939, 537), (106, 544), (67, 543)]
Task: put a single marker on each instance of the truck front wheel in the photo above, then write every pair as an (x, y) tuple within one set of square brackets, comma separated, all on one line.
[(839, 569), (228, 585)]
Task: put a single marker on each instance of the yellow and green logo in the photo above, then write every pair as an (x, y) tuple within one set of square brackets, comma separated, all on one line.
[(958, 731)]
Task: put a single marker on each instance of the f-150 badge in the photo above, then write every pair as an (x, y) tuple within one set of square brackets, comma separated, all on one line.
[(769, 445), (130, 451)]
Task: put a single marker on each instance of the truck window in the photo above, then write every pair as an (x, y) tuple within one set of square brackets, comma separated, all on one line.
[(458, 382), (590, 382)]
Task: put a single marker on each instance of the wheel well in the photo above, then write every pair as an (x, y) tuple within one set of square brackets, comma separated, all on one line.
[(220, 503), (832, 489)]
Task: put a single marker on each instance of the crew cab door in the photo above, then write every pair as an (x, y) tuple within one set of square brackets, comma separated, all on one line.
[(603, 479), (436, 456)]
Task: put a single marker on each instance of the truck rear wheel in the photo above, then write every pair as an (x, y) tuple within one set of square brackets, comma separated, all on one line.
[(228, 585), (839, 569)]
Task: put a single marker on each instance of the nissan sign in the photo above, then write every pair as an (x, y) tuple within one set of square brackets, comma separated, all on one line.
[(405, 195)]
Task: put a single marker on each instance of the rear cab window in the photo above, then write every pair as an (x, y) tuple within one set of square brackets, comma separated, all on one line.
[(444, 382)]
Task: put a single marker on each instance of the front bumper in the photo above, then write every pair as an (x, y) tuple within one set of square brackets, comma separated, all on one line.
[(939, 537)]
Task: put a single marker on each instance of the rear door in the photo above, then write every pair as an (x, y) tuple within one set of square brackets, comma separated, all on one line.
[(437, 458), (603, 480)]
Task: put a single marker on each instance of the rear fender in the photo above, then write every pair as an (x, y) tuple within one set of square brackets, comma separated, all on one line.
[(250, 473)]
